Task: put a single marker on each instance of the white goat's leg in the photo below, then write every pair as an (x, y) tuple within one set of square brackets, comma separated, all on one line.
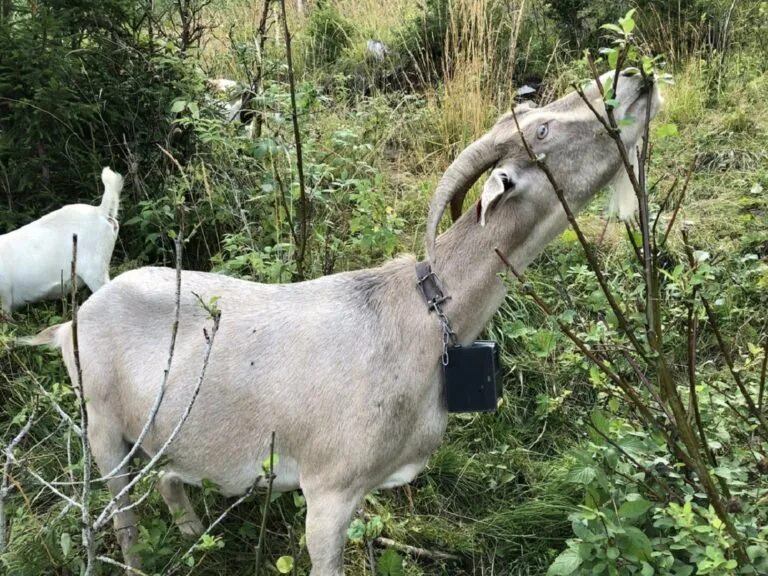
[(328, 517), (172, 490), (109, 449)]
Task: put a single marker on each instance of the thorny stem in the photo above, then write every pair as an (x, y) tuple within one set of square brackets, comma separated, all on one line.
[(304, 201)]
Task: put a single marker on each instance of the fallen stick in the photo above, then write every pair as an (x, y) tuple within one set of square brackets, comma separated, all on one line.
[(416, 552)]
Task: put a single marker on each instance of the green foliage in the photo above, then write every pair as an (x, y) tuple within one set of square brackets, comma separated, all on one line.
[(328, 35)]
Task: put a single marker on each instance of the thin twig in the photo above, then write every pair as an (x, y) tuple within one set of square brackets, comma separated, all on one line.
[(265, 509), (593, 263), (85, 497), (149, 422), (303, 199), (223, 515), (757, 414), (678, 204), (760, 394), (110, 510), (9, 459), (416, 552), (648, 471), (692, 328), (107, 560)]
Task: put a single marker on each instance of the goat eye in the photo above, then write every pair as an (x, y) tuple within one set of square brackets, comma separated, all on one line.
[(542, 131)]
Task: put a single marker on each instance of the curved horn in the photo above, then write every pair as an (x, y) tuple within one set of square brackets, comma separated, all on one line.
[(457, 180)]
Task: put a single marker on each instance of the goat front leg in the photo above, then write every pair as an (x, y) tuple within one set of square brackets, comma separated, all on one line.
[(328, 516)]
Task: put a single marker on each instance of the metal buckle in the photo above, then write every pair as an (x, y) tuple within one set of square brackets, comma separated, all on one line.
[(439, 295)]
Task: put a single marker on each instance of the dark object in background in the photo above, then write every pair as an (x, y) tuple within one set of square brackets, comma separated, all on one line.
[(530, 89), (473, 377)]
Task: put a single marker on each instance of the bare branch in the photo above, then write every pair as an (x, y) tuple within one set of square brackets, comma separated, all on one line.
[(416, 552), (9, 459)]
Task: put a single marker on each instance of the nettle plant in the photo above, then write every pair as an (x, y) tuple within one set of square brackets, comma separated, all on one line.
[(677, 446)]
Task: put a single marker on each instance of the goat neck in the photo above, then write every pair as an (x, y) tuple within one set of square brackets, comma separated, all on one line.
[(468, 266)]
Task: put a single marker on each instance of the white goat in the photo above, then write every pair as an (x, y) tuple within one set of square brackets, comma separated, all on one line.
[(344, 369), (35, 258)]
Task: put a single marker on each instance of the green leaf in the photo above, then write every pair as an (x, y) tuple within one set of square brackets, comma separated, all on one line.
[(613, 28), (356, 530), (666, 130), (284, 564), (374, 527), (635, 508), (613, 59), (635, 544), (565, 564), (647, 570), (390, 564), (66, 543), (178, 106), (193, 107), (627, 24), (600, 421), (569, 235), (581, 474), (265, 464)]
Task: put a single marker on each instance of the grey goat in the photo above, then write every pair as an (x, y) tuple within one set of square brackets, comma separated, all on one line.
[(345, 369)]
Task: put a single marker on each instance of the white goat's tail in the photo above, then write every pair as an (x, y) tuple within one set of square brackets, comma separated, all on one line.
[(55, 336), (113, 185)]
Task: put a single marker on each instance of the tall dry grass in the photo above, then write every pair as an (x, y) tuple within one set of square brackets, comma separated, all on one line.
[(478, 71)]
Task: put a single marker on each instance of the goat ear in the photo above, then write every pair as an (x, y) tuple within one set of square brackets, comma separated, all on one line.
[(493, 190)]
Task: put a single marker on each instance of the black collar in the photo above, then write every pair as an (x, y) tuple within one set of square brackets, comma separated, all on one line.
[(430, 286)]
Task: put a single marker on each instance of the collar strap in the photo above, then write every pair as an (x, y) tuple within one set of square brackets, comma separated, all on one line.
[(430, 286)]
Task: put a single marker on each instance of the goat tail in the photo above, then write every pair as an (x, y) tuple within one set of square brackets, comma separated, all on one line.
[(55, 336), (113, 185)]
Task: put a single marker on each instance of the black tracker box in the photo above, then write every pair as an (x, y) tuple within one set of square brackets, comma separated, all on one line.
[(473, 377)]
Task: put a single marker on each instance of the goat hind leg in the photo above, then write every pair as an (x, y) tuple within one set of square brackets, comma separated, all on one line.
[(172, 490), (328, 516), (109, 449)]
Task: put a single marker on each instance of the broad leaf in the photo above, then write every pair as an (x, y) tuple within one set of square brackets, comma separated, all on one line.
[(390, 564), (565, 564), (284, 564)]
